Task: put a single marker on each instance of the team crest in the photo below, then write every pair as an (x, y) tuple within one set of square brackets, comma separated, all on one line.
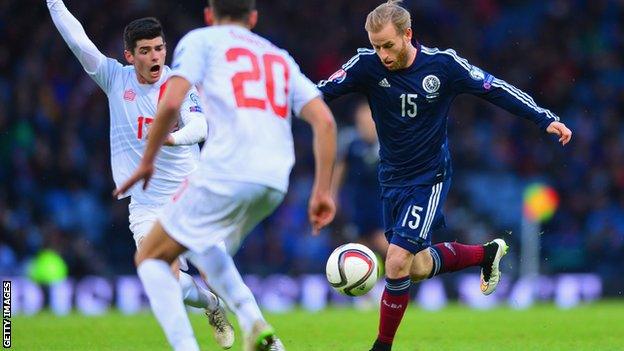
[(129, 95), (431, 84)]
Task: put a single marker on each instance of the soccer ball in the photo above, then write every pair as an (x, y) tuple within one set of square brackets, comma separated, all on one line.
[(352, 269)]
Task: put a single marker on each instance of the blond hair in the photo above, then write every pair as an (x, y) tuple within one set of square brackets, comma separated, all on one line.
[(388, 12)]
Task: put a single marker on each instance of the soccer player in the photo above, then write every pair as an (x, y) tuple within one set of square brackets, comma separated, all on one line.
[(356, 173), (410, 89), (250, 87), (133, 94)]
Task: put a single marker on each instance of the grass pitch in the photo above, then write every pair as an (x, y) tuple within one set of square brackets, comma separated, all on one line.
[(594, 327)]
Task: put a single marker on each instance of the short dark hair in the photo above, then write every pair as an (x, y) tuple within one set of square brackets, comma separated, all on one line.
[(139, 29), (237, 10)]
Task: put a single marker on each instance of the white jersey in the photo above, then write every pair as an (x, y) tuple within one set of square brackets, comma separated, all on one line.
[(132, 109), (249, 88)]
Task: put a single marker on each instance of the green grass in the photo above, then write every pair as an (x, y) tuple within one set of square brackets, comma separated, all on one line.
[(595, 327)]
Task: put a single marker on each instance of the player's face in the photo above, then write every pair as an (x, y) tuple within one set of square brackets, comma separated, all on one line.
[(391, 47), (148, 59)]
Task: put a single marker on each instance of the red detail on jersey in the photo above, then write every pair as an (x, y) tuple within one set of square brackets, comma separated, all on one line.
[(269, 61), (361, 256), (180, 190), (143, 122), (238, 80), (338, 76), (129, 95), (162, 90)]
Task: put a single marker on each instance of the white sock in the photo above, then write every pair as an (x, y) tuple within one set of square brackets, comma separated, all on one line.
[(165, 297), (225, 280), (196, 296)]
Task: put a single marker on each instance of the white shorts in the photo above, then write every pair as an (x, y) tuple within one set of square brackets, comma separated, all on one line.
[(142, 218), (203, 215)]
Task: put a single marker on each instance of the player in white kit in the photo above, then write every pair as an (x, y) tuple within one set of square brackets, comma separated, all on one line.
[(133, 93), (250, 88)]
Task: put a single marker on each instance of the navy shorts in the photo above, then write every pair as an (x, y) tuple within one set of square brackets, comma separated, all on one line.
[(411, 213)]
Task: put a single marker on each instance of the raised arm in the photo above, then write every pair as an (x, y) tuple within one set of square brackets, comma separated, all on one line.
[(187, 65), (74, 35)]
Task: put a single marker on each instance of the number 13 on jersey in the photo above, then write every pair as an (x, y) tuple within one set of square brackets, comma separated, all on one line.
[(273, 81)]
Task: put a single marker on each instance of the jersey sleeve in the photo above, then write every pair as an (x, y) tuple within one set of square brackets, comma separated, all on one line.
[(101, 68), (190, 58), (106, 73), (303, 90), (466, 78), (193, 125), (346, 80)]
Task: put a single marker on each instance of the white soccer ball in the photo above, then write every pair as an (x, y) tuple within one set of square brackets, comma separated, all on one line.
[(352, 269)]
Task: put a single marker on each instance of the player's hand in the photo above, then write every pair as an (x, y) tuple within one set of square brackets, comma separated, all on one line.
[(143, 172), (560, 130), (321, 210)]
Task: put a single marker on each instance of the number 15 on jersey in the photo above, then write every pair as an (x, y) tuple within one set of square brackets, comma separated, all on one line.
[(408, 105)]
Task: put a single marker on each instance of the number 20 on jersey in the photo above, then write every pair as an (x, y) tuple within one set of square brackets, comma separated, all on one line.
[(271, 79)]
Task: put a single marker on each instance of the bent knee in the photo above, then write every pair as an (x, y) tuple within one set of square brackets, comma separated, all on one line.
[(397, 266), (421, 266), (418, 273)]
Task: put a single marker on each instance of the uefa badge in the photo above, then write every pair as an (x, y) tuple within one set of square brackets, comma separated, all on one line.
[(431, 84)]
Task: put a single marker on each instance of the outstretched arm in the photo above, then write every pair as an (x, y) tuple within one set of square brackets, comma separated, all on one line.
[(74, 35), (466, 78)]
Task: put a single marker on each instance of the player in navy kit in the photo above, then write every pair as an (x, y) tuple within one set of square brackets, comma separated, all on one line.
[(355, 179), (410, 88)]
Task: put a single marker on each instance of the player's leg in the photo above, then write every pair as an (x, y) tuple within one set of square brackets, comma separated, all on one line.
[(402, 209), (227, 282), (452, 256), (227, 212), (395, 297), (142, 219), (222, 329), (158, 251)]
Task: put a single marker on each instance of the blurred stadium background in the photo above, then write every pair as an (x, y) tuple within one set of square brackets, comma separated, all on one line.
[(56, 210)]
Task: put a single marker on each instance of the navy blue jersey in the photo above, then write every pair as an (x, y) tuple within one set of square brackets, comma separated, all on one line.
[(410, 108)]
